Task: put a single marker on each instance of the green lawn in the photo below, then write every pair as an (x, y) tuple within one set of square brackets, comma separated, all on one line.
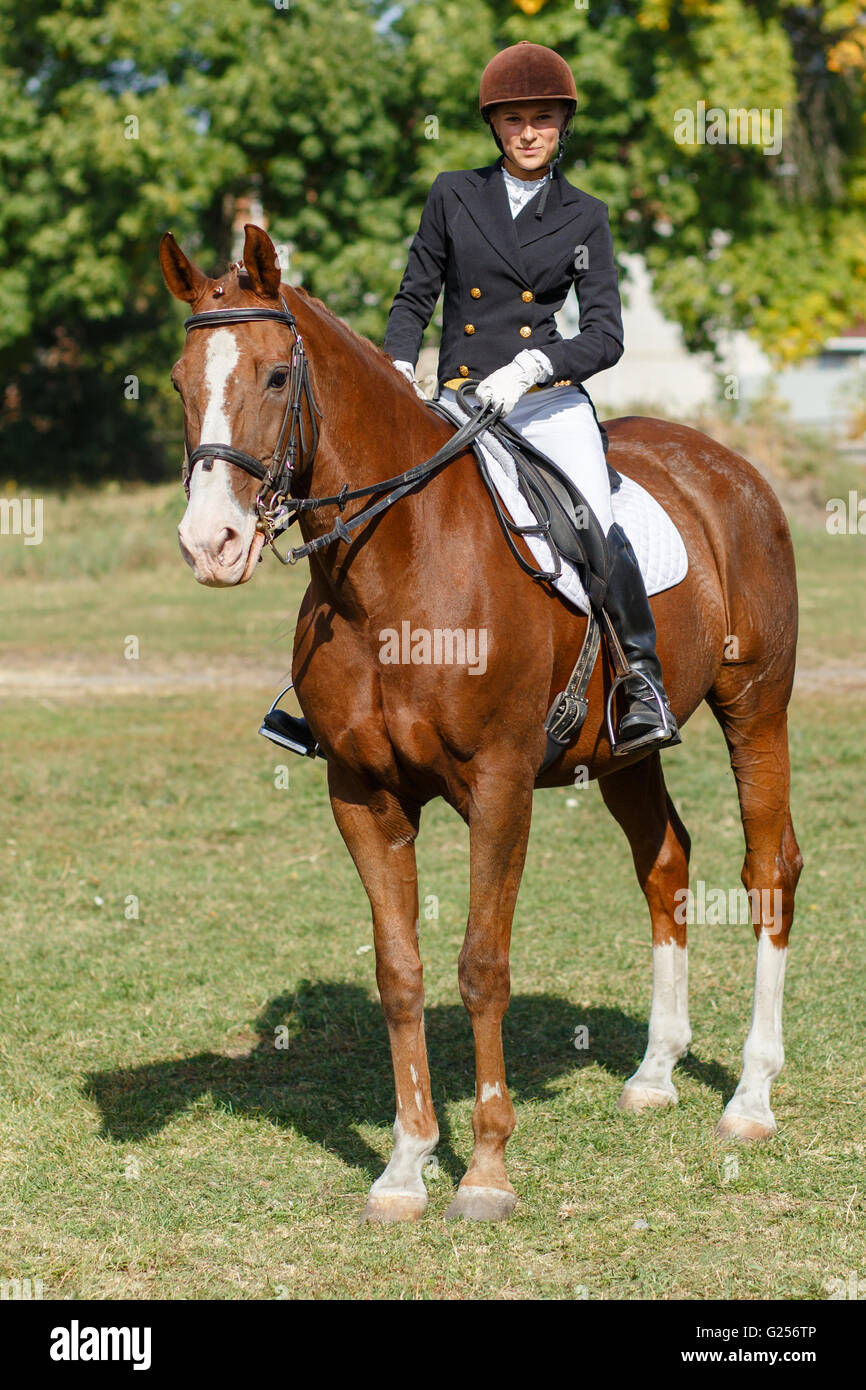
[(154, 1141)]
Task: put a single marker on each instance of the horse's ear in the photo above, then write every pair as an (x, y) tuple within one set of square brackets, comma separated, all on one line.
[(260, 260), (184, 279)]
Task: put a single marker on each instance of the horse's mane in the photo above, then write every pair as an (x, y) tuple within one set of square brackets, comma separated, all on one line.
[(364, 344), (376, 354)]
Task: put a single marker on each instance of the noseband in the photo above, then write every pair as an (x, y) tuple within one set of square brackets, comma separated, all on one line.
[(291, 446)]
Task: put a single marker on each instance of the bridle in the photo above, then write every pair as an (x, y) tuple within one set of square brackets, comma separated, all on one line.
[(276, 507), (291, 446)]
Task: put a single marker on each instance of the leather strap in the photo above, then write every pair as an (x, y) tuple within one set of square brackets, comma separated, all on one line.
[(568, 711)]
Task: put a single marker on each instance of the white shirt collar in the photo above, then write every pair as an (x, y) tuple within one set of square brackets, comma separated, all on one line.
[(521, 190)]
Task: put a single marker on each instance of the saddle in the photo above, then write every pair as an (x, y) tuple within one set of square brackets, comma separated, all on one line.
[(563, 517)]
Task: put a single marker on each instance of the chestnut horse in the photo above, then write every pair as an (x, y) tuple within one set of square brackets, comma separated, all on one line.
[(397, 732)]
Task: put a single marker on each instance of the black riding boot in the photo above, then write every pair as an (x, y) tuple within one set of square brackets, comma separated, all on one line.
[(628, 607), (290, 732)]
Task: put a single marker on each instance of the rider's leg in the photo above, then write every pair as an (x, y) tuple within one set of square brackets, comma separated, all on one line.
[(630, 613), (560, 421)]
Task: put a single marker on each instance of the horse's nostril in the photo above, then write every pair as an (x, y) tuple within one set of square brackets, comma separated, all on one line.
[(228, 546)]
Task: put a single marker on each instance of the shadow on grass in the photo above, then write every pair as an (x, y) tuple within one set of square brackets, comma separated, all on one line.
[(322, 1066)]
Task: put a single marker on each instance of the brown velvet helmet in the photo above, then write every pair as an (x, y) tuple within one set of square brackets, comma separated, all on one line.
[(527, 72)]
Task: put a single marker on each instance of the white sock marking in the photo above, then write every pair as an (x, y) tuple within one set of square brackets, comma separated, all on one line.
[(669, 1031), (403, 1173), (763, 1052)]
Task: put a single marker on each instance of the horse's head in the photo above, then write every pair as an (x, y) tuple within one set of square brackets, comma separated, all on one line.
[(233, 381)]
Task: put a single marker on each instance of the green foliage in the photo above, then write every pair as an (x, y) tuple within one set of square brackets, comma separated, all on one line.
[(122, 121), (736, 238), (125, 121)]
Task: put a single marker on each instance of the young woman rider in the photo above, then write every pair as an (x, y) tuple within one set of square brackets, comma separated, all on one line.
[(507, 241)]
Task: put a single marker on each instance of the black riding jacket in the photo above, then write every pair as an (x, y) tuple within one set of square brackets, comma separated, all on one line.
[(505, 277)]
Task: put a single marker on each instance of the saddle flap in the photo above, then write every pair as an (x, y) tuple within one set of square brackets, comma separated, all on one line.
[(574, 529)]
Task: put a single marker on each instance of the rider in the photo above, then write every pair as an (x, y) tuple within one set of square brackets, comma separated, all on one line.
[(508, 240)]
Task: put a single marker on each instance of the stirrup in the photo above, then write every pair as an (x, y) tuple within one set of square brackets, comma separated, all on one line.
[(666, 735), (287, 730)]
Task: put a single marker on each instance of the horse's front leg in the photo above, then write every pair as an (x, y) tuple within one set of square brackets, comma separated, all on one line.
[(498, 832), (380, 831)]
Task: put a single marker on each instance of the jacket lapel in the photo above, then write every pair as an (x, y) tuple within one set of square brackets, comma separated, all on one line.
[(485, 197), (563, 204)]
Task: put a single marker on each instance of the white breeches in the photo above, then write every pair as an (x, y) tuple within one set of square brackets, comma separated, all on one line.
[(559, 421)]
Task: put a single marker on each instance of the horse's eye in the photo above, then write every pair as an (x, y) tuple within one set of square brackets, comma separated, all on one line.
[(175, 385), (278, 378)]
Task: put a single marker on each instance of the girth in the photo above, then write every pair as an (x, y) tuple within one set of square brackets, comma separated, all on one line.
[(556, 504)]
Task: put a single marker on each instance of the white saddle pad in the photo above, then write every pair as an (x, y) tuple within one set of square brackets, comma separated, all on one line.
[(657, 543)]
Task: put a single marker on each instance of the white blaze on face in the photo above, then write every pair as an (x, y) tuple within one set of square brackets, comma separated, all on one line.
[(213, 509), (220, 361)]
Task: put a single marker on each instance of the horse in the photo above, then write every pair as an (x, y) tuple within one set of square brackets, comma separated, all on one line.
[(396, 733)]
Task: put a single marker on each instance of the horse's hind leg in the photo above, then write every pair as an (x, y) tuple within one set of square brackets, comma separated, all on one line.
[(758, 744), (380, 834), (637, 797)]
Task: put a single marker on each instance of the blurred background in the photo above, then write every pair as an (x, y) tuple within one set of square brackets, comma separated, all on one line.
[(743, 266)]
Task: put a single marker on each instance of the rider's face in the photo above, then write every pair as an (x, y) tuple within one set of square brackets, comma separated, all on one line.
[(529, 131)]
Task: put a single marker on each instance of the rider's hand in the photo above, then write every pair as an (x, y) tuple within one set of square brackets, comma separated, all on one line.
[(505, 386), (408, 371)]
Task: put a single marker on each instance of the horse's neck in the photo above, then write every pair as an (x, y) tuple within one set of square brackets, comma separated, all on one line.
[(373, 427)]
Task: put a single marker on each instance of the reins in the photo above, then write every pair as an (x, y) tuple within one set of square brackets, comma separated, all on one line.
[(282, 509), (569, 709), (291, 507)]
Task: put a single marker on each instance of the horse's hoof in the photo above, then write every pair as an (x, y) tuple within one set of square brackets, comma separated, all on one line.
[(744, 1130), (387, 1207), (482, 1204), (635, 1099)]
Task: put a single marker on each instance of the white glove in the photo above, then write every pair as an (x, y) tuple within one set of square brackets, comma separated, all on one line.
[(505, 386), (408, 371)]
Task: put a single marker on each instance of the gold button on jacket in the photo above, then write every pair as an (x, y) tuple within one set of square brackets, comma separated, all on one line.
[(469, 328), (509, 277), (464, 371)]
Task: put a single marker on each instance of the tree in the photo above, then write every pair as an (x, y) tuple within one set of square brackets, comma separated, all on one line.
[(123, 121), (735, 237)]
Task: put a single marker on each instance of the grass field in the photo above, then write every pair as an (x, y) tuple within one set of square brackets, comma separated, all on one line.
[(156, 1144)]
